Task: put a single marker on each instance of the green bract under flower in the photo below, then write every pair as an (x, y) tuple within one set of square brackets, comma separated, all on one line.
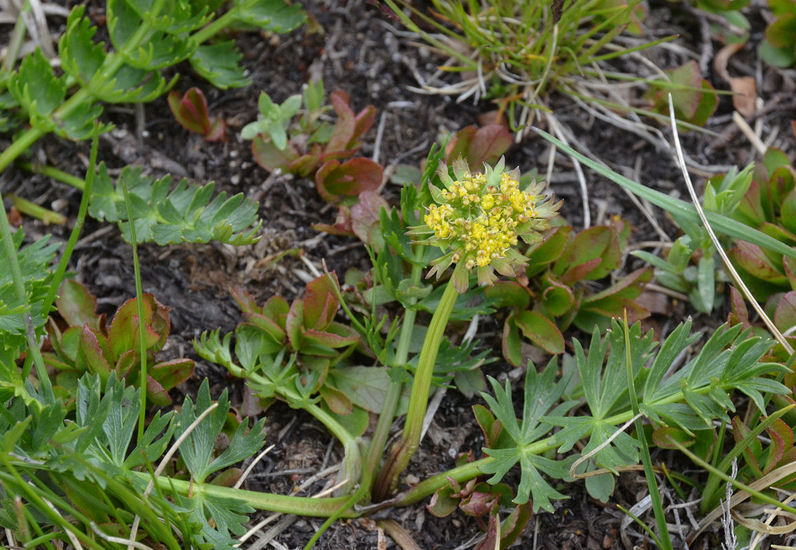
[(479, 218)]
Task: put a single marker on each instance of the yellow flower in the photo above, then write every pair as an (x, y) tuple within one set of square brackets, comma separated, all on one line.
[(480, 219)]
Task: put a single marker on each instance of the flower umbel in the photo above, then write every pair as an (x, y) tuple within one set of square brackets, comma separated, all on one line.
[(480, 217)]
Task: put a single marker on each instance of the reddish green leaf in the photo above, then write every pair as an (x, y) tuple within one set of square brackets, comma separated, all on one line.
[(366, 218), (245, 301), (320, 301), (753, 450), (492, 538), (514, 524), (442, 504), (77, 305), (294, 322), (782, 32), (227, 478), (123, 331), (336, 400), (490, 426), (156, 393), (267, 155), (362, 123), (479, 145), (781, 443), (548, 250), (511, 343), (753, 259), (327, 339), (540, 330), (785, 314), (94, 351), (344, 127), (686, 100), (171, 373), (335, 181), (191, 112)]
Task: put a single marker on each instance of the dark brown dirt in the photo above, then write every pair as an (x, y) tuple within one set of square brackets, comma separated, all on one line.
[(351, 46)]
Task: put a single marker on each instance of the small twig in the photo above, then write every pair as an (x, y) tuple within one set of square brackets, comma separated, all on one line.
[(597, 449), (251, 466), (749, 133), (584, 192)]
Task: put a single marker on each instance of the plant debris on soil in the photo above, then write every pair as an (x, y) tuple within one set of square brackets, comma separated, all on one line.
[(356, 47)]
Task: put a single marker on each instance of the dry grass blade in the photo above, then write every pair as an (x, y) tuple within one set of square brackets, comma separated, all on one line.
[(727, 264), (398, 534)]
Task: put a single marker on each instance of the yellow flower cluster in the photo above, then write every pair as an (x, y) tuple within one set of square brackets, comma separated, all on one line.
[(480, 220)]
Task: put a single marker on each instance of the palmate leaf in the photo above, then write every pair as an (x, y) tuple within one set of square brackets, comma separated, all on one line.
[(197, 450), (186, 213), (271, 15), (542, 392), (218, 64), (603, 377)]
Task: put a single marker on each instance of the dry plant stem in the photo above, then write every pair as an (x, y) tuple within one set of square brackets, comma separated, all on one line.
[(584, 192), (727, 264), (406, 447)]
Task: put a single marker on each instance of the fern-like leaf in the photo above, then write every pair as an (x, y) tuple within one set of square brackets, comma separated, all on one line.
[(166, 215)]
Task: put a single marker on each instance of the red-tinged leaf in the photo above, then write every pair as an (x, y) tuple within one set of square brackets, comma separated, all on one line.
[(738, 305), (582, 271), (492, 539), (276, 309), (665, 435), (511, 343), (320, 301), (227, 478), (366, 218), (781, 443), (245, 301), (294, 322), (77, 305), (269, 157), (785, 314), (343, 130), (540, 330), (478, 504), (750, 210), (793, 127), (342, 223), (557, 298), (508, 294), (548, 250), (490, 426), (686, 100), (488, 145), (307, 163), (459, 145), (753, 259), (335, 181), (335, 336), (267, 325), (789, 264), (596, 243), (479, 145), (336, 400), (629, 286), (126, 363), (190, 110), (156, 394), (362, 123), (123, 331), (514, 524), (708, 103), (442, 504), (752, 450), (70, 342), (94, 352), (171, 373), (217, 130)]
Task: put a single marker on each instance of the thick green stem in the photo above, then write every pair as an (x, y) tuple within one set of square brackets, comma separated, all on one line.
[(406, 447), (394, 391), (302, 506), (54, 173)]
